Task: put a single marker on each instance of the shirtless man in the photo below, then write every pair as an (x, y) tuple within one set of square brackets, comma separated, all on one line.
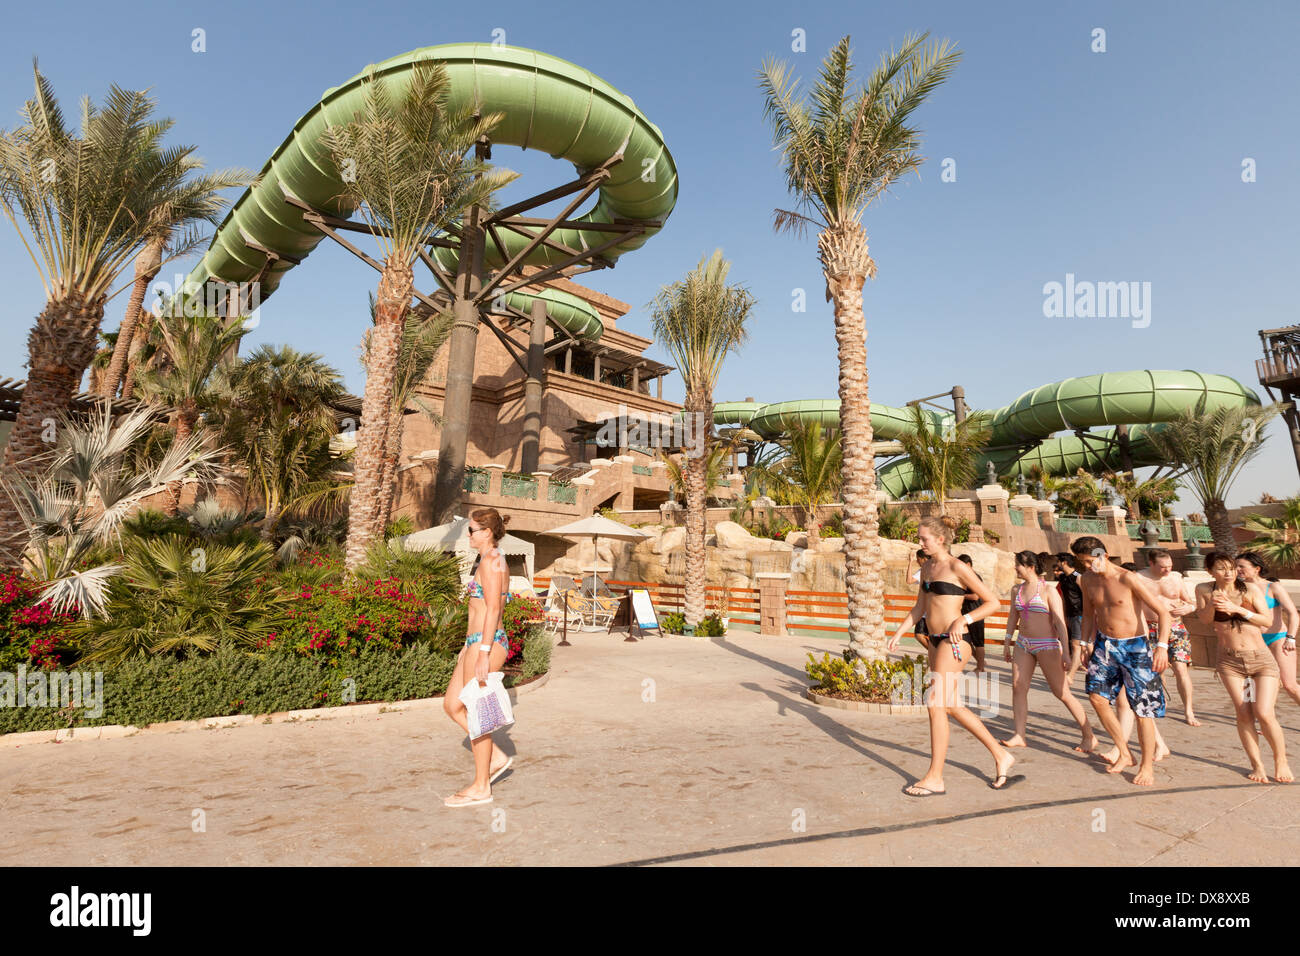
[(1111, 601), (1176, 591)]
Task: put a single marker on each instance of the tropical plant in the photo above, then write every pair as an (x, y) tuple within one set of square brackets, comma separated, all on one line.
[(89, 202), (699, 320), (806, 471), (895, 524), (1080, 494), (1277, 539), (943, 454), (1212, 449), (716, 463), (193, 347), (274, 411), (431, 575), (840, 152), (409, 175), (86, 492), (176, 596)]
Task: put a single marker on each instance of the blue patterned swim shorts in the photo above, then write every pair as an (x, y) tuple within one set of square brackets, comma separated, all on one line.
[(1128, 662)]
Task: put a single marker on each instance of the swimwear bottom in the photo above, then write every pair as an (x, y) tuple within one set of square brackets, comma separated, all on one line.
[(1126, 662), (1271, 639), (1074, 628), (1180, 645), (1036, 644), (1247, 663), (499, 637)]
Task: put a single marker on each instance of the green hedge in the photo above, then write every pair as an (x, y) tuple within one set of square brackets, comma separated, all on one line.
[(143, 691)]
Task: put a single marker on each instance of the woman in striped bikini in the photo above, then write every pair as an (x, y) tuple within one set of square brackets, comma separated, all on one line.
[(488, 593), (1038, 613), (1280, 637)]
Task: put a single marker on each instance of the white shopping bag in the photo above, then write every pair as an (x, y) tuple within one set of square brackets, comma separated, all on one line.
[(486, 708)]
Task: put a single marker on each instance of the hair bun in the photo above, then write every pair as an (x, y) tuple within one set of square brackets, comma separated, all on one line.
[(949, 522), (505, 520)]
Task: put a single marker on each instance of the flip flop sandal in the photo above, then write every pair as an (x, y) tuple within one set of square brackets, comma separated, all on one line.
[(1004, 782), (503, 768), (924, 791), (458, 801)]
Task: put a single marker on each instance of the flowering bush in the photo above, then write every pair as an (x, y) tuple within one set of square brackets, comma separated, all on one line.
[(337, 620), (30, 633), (514, 615)]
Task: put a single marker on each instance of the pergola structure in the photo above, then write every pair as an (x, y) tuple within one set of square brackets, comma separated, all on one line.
[(474, 290)]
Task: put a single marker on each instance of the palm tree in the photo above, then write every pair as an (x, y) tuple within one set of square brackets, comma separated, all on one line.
[(807, 471), (410, 177), (945, 459), (716, 462), (89, 203), (422, 337), (193, 348), (99, 364), (147, 265), (1213, 449), (1277, 539), (840, 152), (274, 412), (1080, 494), (699, 320), (83, 495)]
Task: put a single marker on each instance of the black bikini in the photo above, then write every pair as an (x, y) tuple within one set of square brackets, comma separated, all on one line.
[(942, 587)]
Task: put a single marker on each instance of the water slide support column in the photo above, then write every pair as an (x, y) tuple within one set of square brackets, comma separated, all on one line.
[(533, 388)]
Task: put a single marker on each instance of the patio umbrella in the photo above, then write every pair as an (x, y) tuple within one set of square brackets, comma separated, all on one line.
[(596, 527)]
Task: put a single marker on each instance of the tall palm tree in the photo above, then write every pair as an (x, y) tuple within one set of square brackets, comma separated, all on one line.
[(148, 263), (422, 337), (945, 459), (88, 203), (840, 152), (1080, 494), (193, 348), (1213, 449), (410, 177), (274, 412), (807, 471), (1277, 539), (699, 320), (717, 460)]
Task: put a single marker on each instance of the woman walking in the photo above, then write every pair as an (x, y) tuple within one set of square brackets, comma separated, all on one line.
[(944, 582), (1280, 636), (1039, 614), (1239, 612), (481, 655)]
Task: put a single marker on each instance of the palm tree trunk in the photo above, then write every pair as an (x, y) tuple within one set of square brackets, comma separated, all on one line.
[(695, 477), (392, 454), (846, 265), (60, 346), (147, 264), (392, 304), (143, 326), (185, 419), (1216, 516)]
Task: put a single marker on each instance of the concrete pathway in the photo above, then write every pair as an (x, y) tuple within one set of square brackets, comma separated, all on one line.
[(669, 750)]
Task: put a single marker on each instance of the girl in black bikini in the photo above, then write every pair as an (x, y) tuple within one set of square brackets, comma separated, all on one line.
[(939, 600)]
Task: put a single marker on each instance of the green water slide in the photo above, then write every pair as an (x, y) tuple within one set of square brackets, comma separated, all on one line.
[(1022, 430), (549, 104)]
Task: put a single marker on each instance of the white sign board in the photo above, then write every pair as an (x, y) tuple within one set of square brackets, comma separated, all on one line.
[(643, 609)]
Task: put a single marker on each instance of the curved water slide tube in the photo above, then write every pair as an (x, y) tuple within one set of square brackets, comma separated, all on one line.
[(549, 104), (1140, 399)]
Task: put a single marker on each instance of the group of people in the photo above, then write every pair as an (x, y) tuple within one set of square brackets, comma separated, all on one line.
[(1124, 626)]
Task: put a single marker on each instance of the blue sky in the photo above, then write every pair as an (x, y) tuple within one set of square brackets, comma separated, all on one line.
[(1116, 166)]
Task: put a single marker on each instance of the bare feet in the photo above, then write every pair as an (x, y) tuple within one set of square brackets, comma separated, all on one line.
[(1004, 765), (1258, 774), (1162, 750), (1123, 760), (1088, 743), (1191, 719), (1015, 741), (1145, 778), (1282, 773), (925, 786), (499, 759), (1110, 756)]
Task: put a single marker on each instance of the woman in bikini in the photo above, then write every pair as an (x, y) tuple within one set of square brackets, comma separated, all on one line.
[(1038, 613), (488, 593), (944, 582), (1239, 613), (1280, 636)]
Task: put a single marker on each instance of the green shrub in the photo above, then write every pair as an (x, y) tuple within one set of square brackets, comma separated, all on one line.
[(229, 681), (710, 626), (896, 525), (180, 595), (430, 575), (152, 523), (673, 622), (536, 657), (399, 527), (876, 682), (833, 526), (961, 534)]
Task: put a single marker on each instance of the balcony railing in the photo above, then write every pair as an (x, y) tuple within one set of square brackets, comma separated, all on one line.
[(561, 493), (1197, 532), (1075, 524), (477, 481), (518, 486), (1017, 517), (641, 470)]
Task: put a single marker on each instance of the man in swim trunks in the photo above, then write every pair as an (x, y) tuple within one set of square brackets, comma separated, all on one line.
[(1112, 598), (1176, 592)]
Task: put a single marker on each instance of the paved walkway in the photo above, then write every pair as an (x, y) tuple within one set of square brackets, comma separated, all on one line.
[(669, 750)]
